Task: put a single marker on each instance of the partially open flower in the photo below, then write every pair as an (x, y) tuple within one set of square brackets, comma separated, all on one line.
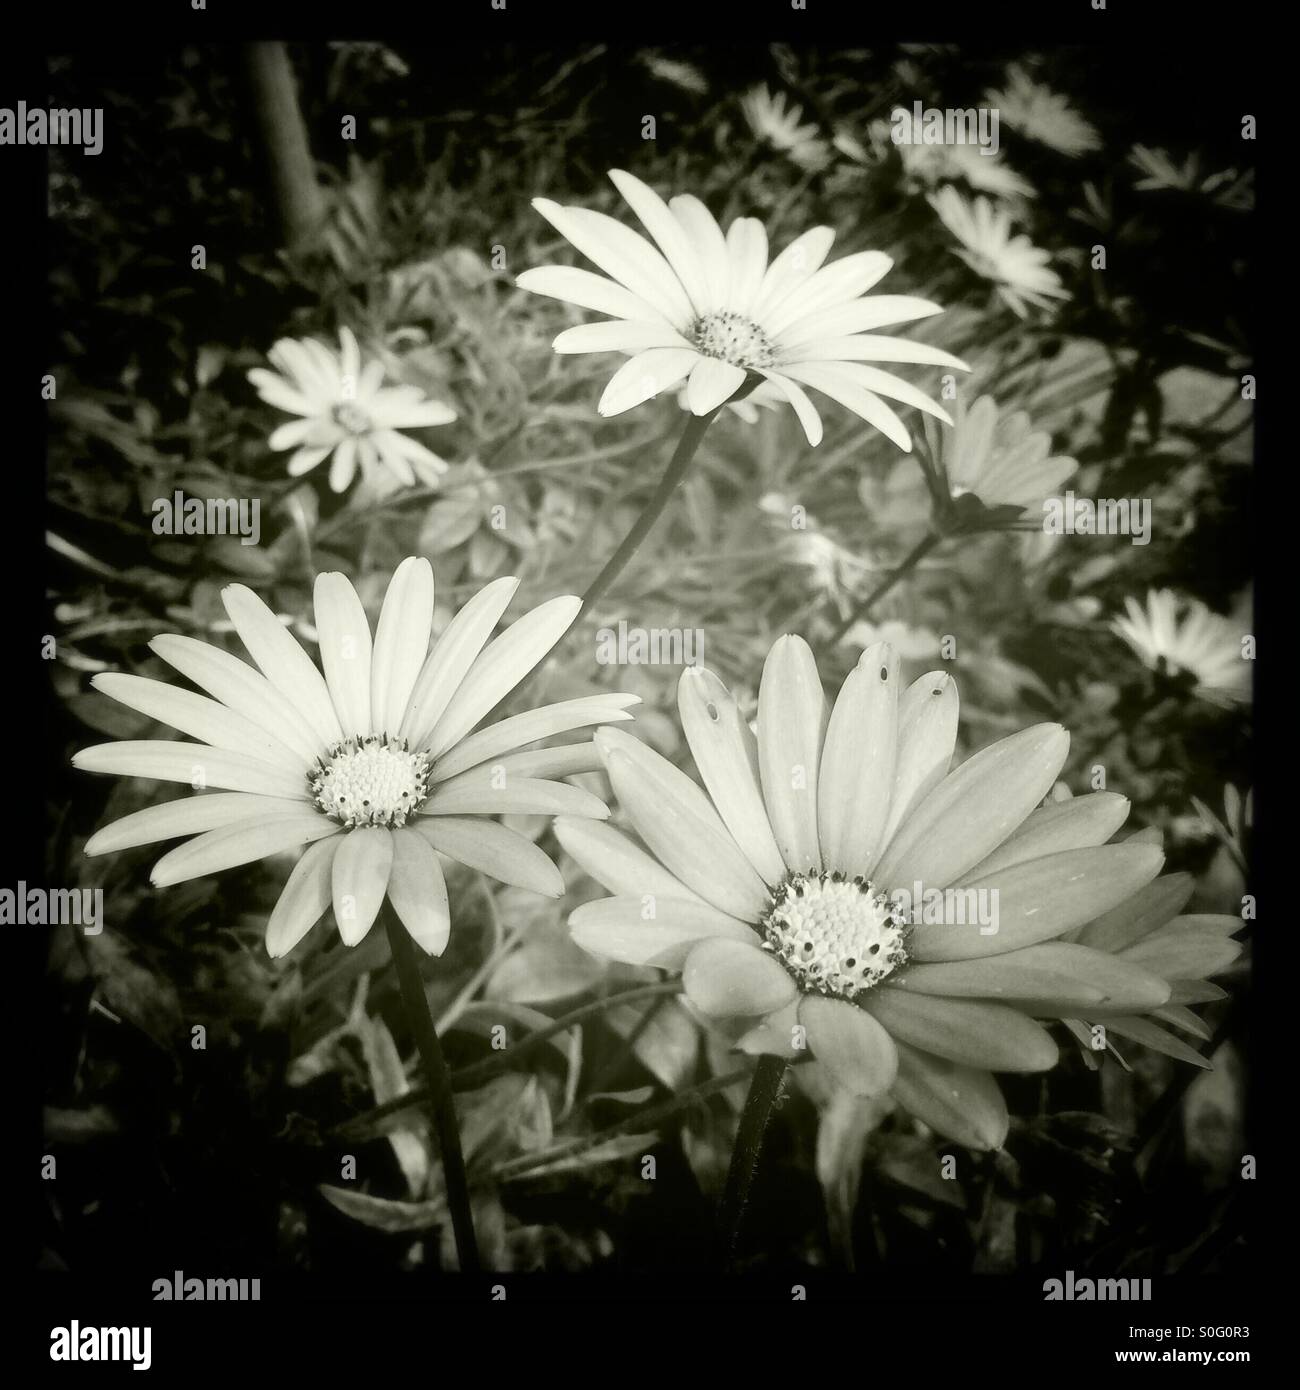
[(708, 309), (1042, 114), (347, 414), (997, 457), (1020, 270), (837, 887), (371, 769), (1175, 633)]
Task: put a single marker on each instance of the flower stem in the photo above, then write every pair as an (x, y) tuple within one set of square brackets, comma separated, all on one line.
[(764, 1091), (909, 563), (438, 1083), (689, 442)]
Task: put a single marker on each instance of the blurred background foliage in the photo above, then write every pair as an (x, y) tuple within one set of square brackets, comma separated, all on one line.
[(229, 1157)]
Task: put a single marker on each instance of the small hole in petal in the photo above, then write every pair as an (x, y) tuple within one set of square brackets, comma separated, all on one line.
[(712, 711)]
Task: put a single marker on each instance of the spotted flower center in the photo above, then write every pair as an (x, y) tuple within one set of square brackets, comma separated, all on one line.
[(370, 780), (835, 935), (352, 418), (734, 339)]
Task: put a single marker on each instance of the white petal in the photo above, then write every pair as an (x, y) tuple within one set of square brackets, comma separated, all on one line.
[(282, 661), (657, 931), (344, 635), (618, 335), (793, 268), (199, 717), (195, 763), (492, 849), (520, 729), (304, 899), (616, 863), (858, 762), (927, 734), (191, 815), (849, 394), (667, 232), (803, 407), (838, 283), (712, 383), (244, 843), (704, 234), (418, 891), (588, 291), (726, 755), (479, 792), (791, 714), (401, 643), (358, 880), (644, 376), (501, 666)]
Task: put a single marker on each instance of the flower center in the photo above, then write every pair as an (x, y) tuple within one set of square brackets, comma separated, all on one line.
[(733, 338), (352, 418), (835, 935), (370, 779)]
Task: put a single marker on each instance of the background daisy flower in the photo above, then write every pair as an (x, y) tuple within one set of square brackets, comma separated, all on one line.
[(780, 124), (1182, 634), (370, 770), (699, 306), (1019, 269), (935, 164), (998, 456), (1042, 114), (774, 889), (347, 414)]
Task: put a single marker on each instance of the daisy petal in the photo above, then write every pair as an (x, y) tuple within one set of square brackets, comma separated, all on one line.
[(453, 654), (833, 382), (282, 661), (250, 840), (1150, 1035), (418, 891), (618, 335), (657, 931), (927, 734), (679, 824), (713, 382), (835, 284), (803, 407), (790, 722), (479, 792), (857, 1052), (955, 1101), (344, 634), (1136, 917), (644, 376), (1067, 974), (492, 849), (793, 268), (197, 716), (359, 878), (533, 724), (1037, 901), (616, 863), (735, 979), (975, 808), (978, 1034), (857, 763), (191, 815), (668, 234), (727, 757), (195, 763), (501, 666), (588, 291), (304, 898), (1081, 822), (401, 643)]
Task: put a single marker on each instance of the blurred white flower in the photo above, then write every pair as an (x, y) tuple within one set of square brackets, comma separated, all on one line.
[(781, 125), (998, 456), (936, 164), (347, 414), (1018, 268), (1042, 114), (1182, 634), (710, 310), (684, 75)]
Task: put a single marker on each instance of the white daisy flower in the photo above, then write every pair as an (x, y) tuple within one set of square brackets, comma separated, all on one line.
[(1042, 115), (369, 771), (781, 126), (707, 308), (1182, 634), (936, 164), (347, 414), (1018, 268), (999, 457)]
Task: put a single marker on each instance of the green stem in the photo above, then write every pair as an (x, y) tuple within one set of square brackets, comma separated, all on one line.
[(689, 442), (909, 563), (764, 1091), (438, 1089)]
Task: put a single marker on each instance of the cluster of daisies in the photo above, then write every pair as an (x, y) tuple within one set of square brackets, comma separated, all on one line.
[(784, 886)]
